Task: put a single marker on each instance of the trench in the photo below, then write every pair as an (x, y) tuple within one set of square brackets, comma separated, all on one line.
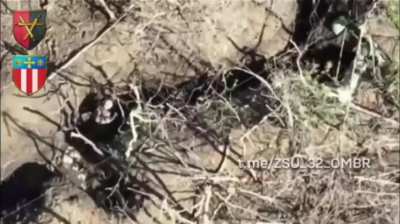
[(22, 194)]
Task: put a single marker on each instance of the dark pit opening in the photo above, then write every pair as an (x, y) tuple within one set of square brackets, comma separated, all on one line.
[(22, 194)]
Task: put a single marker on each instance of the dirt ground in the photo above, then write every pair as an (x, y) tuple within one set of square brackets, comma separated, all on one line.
[(120, 50), (163, 40)]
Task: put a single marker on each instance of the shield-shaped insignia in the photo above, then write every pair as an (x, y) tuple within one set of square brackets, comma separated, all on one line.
[(29, 72), (29, 27)]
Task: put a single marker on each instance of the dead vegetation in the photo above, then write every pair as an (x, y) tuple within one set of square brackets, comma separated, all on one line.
[(158, 107)]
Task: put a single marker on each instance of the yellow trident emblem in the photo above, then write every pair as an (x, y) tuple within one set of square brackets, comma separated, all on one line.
[(29, 27)]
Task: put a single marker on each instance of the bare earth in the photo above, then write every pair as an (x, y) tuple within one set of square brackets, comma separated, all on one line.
[(156, 40)]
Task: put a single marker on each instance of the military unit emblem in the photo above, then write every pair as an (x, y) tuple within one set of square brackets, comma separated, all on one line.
[(29, 71), (29, 27)]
